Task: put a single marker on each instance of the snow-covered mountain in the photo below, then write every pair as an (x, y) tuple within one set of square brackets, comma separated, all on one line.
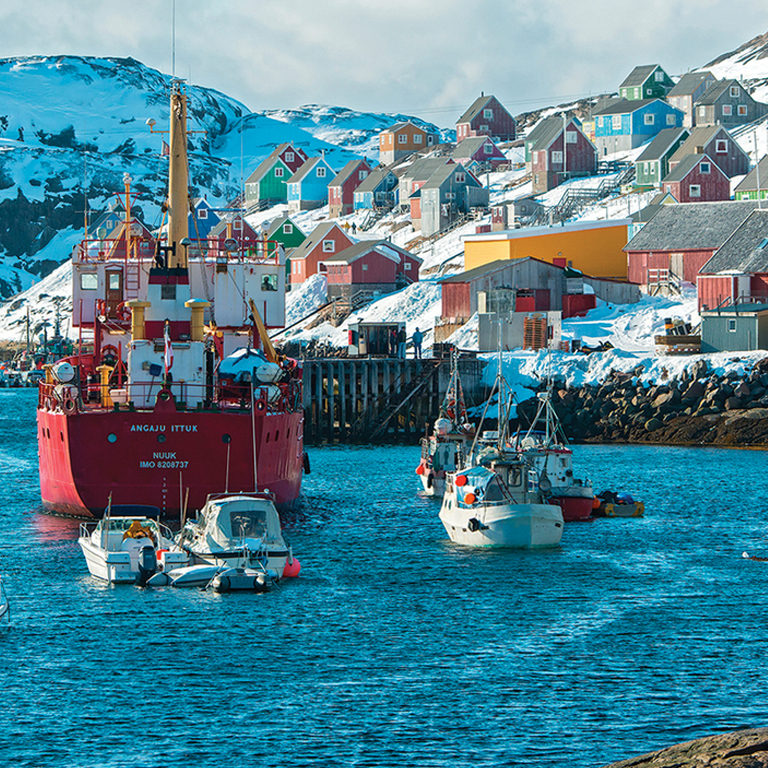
[(71, 126), (749, 63)]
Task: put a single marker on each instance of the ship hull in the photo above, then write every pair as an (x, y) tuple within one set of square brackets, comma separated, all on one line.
[(145, 457)]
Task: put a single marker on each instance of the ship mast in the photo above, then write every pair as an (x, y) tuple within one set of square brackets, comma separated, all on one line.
[(178, 181)]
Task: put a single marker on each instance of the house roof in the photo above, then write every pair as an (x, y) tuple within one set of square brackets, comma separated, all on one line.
[(688, 83), (700, 137), (489, 269), (639, 75), (478, 104), (403, 124), (346, 172), (384, 247), (221, 227), (440, 176), (746, 250), (716, 90), (278, 222), (644, 215), (315, 237), (423, 168), (687, 164), (552, 127), (468, 147), (304, 169), (538, 130), (661, 144), (692, 226), (263, 168), (608, 101), (749, 182), (624, 106), (373, 179)]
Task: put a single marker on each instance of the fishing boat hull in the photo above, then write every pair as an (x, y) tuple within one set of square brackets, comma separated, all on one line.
[(147, 457), (575, 502), (519, 526)]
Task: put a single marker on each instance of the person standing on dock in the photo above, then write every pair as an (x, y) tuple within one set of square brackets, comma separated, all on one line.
[(417, 338), (401, 339), (393, 343)]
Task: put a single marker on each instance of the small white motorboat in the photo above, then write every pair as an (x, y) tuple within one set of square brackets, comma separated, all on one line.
[(200, 575), (129, 549), (240, 530)]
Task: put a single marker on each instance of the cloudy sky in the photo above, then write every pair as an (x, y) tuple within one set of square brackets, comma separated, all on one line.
[(430, 58)]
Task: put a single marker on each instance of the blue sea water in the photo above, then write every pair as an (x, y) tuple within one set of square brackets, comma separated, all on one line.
[(395, 647)]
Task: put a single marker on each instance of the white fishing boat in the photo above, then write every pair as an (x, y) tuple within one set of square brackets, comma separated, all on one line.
[(545, 447), (236, 542), (445, 450), (497, 499), (129, 548)]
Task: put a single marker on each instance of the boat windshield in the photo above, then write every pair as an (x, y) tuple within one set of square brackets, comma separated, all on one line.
[(250, 523)]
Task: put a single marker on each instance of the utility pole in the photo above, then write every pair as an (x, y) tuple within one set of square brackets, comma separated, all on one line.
[(757, 168)]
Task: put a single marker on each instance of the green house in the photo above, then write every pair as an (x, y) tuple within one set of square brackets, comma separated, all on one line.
[(649, 81), (285, 232), (268, 184), (653, 163), (756, 178)]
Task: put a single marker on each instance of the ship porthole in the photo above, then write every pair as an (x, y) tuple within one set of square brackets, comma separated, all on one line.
[(226, 438), (161, 438), (112, 437)]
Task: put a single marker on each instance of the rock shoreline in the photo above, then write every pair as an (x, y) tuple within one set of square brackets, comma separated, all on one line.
[(700, 408)]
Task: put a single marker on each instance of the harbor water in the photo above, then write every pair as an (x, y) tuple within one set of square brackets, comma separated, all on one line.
[(396, 647)]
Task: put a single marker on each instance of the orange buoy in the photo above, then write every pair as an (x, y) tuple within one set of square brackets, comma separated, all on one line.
[(470, 498), (461, 480), (292, 568), (595, 502), (420, 469)]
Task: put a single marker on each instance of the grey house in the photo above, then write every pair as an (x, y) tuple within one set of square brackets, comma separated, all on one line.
[(450, 192), (727, 103), (653, 164), (687, 91), (735, 328)]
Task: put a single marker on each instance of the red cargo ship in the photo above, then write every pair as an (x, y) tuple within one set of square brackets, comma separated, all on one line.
[(175, 390)]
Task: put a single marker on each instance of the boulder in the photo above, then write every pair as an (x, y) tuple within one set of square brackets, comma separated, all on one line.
[(653, 424), (733, 403)]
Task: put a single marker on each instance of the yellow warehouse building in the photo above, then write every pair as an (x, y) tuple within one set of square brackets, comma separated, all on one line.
[(592, 247)]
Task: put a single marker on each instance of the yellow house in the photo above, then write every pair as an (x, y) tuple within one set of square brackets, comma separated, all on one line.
[(592, 247)]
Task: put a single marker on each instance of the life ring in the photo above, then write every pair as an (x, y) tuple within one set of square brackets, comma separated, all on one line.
[(123, 311), (109, 352), (69, 405), (101, 307)]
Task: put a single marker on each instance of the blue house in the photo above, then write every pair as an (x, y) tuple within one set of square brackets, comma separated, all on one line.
[(202, 219), (308, 187), (628, 124), (378, 190)]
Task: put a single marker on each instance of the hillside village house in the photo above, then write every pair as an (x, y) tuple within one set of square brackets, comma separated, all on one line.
[(644, 215), (715, 141), (478, 154), (378, 191), (283, 230), (687, 91), (648, 81), (653, 163), (308, 187), (738, 270), (486, 117), (628, 124), (236, 227), (412, 179), (592, 247), (202, 219), (756, 179), (401, 140), (341, 190), (727, 103), (267, 184), (676, 243), (554, 160), (325, 240), (372, 266), (448, 193), (697, 179)]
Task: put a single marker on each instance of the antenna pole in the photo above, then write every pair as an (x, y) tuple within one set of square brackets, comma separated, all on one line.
[(173, 42)]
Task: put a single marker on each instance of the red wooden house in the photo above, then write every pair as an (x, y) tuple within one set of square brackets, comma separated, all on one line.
[(324, 242), (486, 117), (341, 191), (370, 265), (238, 228), (696, 179), (554, 160)]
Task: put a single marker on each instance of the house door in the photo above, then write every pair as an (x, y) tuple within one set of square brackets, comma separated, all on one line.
[(114, 292), (676, 265)]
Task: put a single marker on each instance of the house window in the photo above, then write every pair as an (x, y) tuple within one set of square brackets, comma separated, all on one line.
[(287, 228), (658, 76), (742, 109), (637, 93), (402, 139), (727, 109), (649, 91), (601, 122), (694, 190), (483, 127), (570, 137), (362, 175), (721, 146), (704, 167), (450, 195), (321, 172), (329, 246), (202, 213), (732, 325), (289, 157), (278, 173), (488, 149), (671, 119), (488, 114), (702, 112), (379, 196), (617, 122), (417, 137), (237, 224), (557, 156), (407, 266), (365, 267), (648, 119), (734, 91)]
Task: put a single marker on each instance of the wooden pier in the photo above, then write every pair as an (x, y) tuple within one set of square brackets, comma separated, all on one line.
[(379, 400)]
